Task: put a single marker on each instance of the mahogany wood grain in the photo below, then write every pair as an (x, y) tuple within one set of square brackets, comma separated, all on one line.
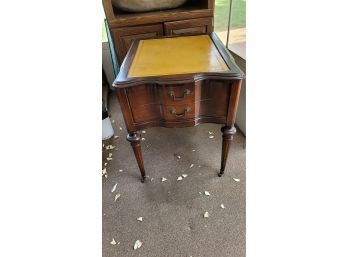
[(109, 10), (150, 102), (233, 103), (181, 124), (126, 109), (227, 136), (134, 139), (143, 94), (145, 113)]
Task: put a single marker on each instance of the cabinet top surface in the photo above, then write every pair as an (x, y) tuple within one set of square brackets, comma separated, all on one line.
[(177, 55), (177, 60)]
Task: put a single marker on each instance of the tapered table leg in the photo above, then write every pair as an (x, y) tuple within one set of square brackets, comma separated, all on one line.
[(134, 139), (227, 136)]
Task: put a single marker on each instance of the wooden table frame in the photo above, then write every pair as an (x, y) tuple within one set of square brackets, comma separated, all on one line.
[(223, 85)]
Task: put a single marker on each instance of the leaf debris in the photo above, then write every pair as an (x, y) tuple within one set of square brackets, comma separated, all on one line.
[(113, 242), (177, 156), (117, 196), (137, 244), (206, 193)]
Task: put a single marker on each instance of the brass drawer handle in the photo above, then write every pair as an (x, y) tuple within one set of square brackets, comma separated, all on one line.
[(186, 110), (172, 95)]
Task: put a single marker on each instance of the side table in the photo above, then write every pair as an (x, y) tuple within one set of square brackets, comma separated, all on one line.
[(178, 82)]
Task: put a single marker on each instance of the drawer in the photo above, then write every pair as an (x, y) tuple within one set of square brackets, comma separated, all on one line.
[(178, 112), (189, 27), (178, 94)]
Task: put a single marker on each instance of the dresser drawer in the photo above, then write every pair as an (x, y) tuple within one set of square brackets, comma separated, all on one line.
[(189, 27), (178, 94), (178, 112)]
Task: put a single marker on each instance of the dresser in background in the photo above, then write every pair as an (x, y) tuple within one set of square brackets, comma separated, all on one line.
[(195, 17)]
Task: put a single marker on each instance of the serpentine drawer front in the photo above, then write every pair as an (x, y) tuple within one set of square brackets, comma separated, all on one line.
[(178, 82), (181, 94)]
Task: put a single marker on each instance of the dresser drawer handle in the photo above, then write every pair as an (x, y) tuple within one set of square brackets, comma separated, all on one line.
[(172, 95), (186, 110)]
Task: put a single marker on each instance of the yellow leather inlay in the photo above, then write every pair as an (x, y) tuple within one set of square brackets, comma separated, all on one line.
[(178, 55)]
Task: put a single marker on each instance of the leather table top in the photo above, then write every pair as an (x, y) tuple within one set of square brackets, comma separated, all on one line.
[(177, 55)]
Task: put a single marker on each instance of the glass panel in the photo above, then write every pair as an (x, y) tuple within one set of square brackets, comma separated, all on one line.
[(237, 38), (221, 18)]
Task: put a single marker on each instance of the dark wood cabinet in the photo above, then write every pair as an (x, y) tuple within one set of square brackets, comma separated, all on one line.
[(193, 18)]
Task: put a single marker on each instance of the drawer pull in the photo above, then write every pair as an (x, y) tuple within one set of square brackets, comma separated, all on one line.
[(186, 110), (172, 95)]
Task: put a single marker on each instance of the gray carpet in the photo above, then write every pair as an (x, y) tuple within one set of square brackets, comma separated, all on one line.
[(173, 223)]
